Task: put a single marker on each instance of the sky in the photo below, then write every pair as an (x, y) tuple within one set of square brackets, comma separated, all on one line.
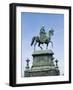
[(31, 24)]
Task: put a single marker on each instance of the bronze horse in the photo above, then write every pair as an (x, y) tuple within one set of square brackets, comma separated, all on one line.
[(45, 38)]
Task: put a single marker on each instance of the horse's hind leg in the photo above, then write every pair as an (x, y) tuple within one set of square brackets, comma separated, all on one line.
[(34, 45), (39, 46)]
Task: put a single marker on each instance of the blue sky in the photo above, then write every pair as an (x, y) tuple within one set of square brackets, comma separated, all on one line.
[(30, 26)]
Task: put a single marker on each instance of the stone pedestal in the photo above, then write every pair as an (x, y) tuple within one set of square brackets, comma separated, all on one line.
[(43, 64)]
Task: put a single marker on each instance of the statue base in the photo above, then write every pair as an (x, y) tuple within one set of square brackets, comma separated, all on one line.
[(43, 64)]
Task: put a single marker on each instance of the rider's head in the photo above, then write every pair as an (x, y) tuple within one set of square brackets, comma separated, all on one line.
[(42, 26)]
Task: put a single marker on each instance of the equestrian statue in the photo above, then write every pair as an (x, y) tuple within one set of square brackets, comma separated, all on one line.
[(43, 38)]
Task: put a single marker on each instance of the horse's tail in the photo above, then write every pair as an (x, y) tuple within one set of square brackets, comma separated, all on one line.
[(33, 39)]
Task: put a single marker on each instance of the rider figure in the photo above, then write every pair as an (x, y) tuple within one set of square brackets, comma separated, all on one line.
[(42, 30), (42, 34)]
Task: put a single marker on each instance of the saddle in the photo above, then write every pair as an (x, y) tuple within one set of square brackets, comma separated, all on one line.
[(42, 37)]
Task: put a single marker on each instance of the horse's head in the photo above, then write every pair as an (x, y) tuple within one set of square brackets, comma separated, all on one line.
[(51, 32)]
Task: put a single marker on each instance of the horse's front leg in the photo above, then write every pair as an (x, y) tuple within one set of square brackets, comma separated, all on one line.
[(40, 46), (47, 46), (51, 43)]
